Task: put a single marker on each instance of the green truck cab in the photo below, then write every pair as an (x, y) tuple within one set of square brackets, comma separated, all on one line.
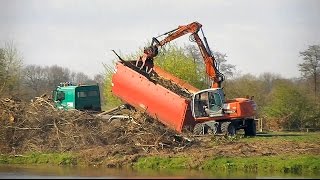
[(81, 97)]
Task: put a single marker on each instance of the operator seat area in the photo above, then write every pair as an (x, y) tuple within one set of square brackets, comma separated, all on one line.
[(208, 104)]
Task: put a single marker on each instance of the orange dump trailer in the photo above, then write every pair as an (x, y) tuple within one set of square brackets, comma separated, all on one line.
[(157, 101)]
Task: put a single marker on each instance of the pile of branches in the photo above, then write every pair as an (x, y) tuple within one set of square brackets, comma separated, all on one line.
[(169, 84), (39, 126)]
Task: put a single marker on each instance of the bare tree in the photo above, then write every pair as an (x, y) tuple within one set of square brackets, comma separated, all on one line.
[(2, 70), (82, 78), (56, 75), (268, 80), (226, 69), (38, 80), (99, 78), (221, 62), (11, 63), (310, 68), (35, 78)]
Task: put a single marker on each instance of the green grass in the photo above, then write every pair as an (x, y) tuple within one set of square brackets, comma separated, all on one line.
[(313, 137), (284, 164), (302, 164), (162, 163), (39, 158)]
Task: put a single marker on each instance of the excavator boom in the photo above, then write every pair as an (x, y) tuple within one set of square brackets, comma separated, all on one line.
[(193, 28)]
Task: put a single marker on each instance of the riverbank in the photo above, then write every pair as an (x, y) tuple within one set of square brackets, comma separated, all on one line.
[(297, 153)]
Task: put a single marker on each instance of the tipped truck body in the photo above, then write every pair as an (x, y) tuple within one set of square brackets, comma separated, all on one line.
[(157, 101)]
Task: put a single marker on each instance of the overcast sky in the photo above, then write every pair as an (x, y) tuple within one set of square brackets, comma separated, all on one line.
[(257, 35)]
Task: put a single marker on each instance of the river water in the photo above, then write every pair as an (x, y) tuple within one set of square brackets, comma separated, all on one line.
[(58, 172)]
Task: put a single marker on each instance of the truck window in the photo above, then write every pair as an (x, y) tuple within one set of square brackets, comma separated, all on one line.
[(83, 94), (60, 95), (92, 93)]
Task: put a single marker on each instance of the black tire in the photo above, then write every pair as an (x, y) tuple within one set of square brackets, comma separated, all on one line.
[(232, 130), (224, 127), (228, 128), (198, 129), (211, 129), (250, 129)]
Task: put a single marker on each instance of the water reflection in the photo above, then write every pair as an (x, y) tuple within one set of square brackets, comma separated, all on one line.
[(58, 172)]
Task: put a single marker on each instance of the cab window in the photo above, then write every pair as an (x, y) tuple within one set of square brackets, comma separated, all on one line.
[(215, 102), (82, 94)]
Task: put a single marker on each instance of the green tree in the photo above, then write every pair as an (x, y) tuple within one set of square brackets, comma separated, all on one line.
[(110, 100), (288, 106), (310, 68), (242, 86), (174, 60)]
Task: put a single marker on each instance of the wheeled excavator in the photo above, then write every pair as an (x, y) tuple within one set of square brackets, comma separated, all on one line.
[(207, 111)]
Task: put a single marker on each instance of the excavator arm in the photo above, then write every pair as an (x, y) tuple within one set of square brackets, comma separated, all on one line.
[(213, 73)]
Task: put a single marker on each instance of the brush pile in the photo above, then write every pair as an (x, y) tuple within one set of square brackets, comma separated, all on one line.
[(39, 126)]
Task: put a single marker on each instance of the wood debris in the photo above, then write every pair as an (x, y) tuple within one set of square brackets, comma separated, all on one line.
[(39, 126)]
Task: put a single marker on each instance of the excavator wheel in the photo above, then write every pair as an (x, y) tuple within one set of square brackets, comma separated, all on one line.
[(250, 129), (228, 128), (203, 128), (199, 129)]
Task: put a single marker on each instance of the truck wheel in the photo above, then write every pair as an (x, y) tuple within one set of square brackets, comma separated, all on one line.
[(250, 129), (198, 129), (228, 129)]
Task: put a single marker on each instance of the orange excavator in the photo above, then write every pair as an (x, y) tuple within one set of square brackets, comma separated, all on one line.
[(206, 111)]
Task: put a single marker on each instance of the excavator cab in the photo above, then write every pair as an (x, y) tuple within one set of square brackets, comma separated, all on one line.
[(208, 103)]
